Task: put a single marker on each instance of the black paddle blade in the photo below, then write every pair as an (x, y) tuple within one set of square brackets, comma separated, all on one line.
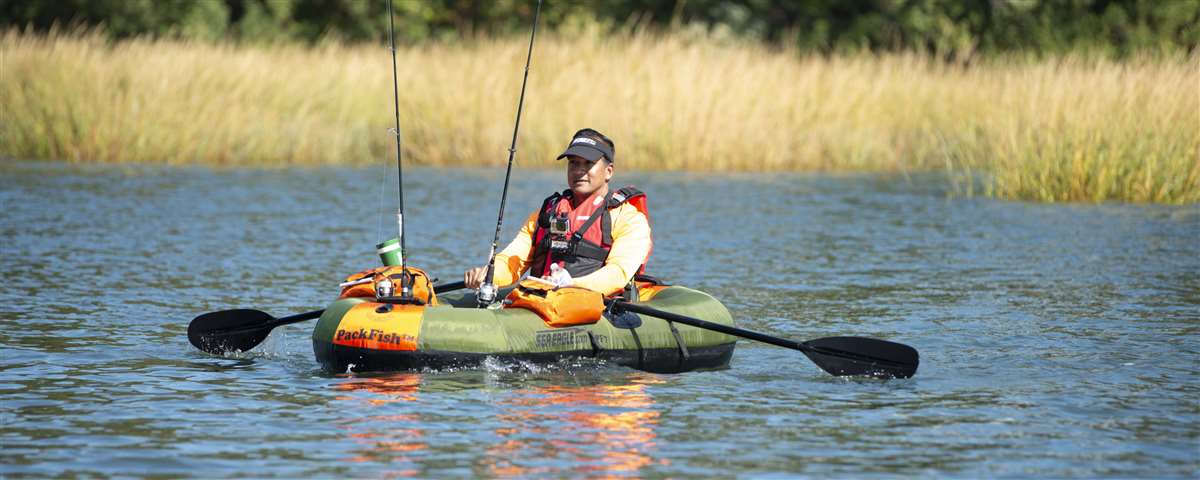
[(848, 356), (229, 330)]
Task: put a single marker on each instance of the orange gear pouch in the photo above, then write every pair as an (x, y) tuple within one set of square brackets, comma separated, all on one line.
[(422, 288), (558, 307)]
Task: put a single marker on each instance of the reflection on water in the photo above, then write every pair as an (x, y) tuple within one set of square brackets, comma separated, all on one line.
[(394, 387), (589, 430), (1056, 340), (593, 429), (381, 436)]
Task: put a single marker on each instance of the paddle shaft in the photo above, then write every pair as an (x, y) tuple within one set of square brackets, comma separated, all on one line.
[(449, 287), (752, 335), (300, 317), (297, 318), (696, 322)]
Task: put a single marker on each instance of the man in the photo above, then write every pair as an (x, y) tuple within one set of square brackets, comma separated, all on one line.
[(587, 236)]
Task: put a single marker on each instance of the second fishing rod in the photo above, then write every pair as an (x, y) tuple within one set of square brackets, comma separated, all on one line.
[(487, 290), (406, 280)]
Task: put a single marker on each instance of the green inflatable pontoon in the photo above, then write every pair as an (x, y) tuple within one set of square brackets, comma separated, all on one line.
[(359, 334)]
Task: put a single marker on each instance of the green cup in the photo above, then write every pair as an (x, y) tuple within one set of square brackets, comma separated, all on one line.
[(389, 252)]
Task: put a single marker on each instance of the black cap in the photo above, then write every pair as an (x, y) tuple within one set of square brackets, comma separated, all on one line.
[(584, 145)]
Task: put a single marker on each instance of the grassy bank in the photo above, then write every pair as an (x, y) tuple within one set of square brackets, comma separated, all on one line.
[(1051, 130)]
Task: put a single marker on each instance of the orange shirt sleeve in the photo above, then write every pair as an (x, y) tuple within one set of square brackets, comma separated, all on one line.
[(631, 245), (513, 260)]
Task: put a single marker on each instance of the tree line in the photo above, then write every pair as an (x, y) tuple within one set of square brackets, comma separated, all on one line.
[(952, 28)]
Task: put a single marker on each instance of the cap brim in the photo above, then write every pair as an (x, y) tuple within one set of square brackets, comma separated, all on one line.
[(586, 151)]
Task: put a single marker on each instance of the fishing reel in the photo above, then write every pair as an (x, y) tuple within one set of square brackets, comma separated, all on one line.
[(486, 295), (384, 288)]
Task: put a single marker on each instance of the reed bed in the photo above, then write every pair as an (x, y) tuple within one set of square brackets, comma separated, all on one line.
[(1062, 129)]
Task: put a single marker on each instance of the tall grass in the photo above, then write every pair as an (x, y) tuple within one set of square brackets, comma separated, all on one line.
[(1064, 129)]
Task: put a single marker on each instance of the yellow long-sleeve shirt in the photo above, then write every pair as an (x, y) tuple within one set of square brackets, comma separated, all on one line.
[(631, 244)]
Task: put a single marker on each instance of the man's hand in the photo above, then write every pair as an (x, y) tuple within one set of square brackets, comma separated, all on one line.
[(560, 276), (474, 277)]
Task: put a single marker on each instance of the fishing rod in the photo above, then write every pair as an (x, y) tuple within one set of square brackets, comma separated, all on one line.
[(487, 290), (405, 286)]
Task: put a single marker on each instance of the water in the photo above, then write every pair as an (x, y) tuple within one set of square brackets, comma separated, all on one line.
[(1056, 340)]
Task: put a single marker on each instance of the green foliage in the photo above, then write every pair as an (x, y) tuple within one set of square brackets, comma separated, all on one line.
[(122, 18), (953, 29)]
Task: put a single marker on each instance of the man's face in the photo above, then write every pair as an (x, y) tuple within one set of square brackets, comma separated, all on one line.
[(584, 177)]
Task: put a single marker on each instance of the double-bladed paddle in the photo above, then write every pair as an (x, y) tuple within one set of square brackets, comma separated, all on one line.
[(242, 329), (840, 356)]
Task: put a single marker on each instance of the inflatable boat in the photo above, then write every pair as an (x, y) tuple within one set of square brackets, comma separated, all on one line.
[(656, 328), (362, 334)]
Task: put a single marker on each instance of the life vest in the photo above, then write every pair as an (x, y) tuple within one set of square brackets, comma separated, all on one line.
[(583, 245)]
